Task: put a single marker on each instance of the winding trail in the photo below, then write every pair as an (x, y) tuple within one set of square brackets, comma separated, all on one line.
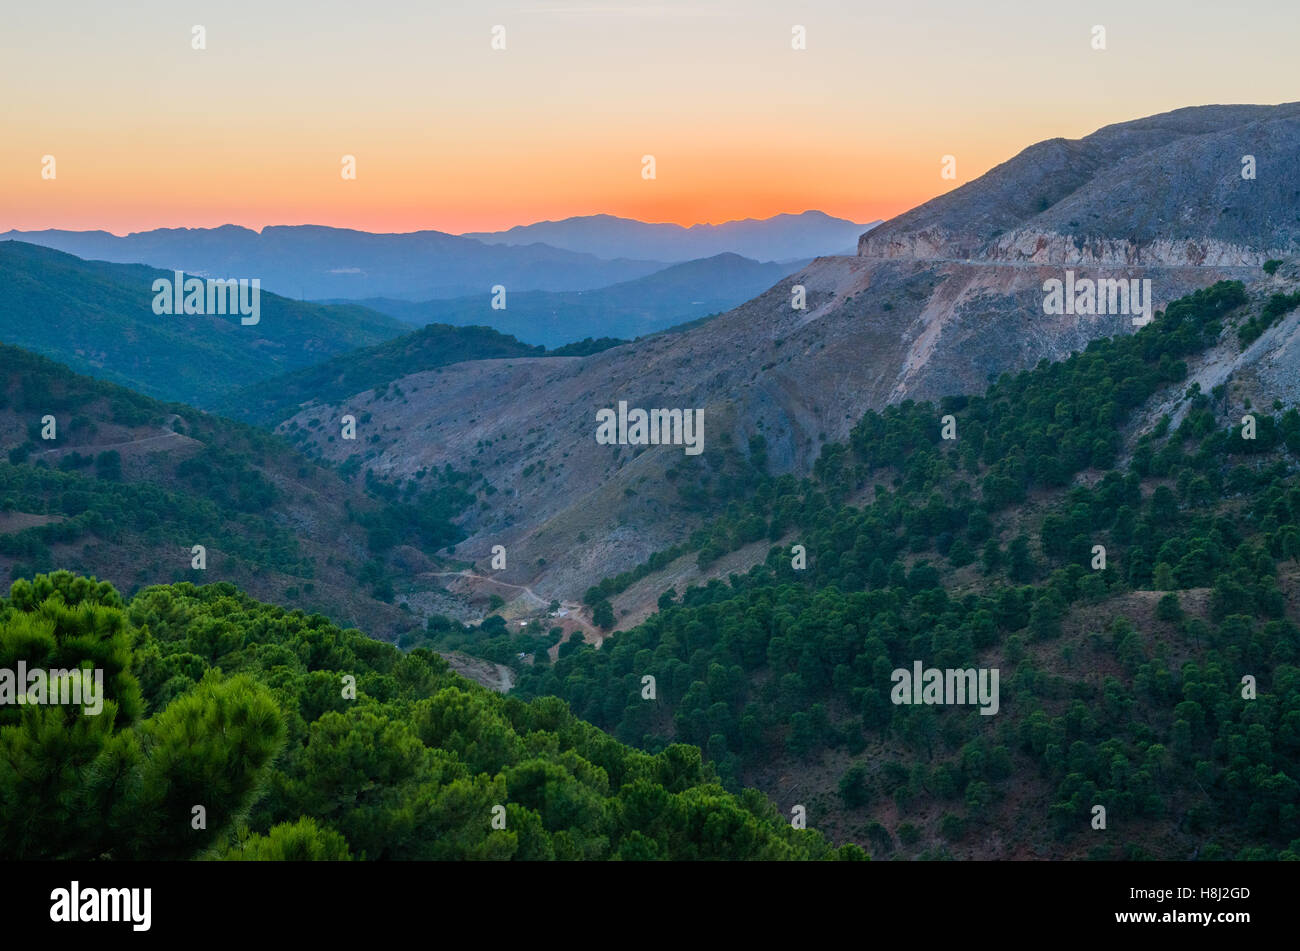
[(169, 435), (595, 635)]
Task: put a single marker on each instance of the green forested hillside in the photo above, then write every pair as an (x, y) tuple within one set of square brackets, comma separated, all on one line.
[(98, 318), (1160, 682), (128, 485), (235, 729), (272, 401), (1121, 685)]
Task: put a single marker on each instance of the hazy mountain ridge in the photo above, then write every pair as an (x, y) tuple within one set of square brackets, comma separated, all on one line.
[(316, 262), (320, 263), (785, 237), (677, 294)]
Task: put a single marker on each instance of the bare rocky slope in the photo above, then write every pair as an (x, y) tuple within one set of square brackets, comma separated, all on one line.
[(937, 301)]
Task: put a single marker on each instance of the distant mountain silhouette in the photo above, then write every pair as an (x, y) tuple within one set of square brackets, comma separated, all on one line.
[(779, 238), (319, 263)]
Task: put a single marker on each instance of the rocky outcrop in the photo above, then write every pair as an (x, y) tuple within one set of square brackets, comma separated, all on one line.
[(1214, 181)]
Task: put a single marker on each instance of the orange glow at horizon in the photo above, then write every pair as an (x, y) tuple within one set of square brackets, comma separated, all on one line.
[(203, 186), (451, 135)]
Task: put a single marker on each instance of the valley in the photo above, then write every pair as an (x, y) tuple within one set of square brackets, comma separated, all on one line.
[(633, 564)]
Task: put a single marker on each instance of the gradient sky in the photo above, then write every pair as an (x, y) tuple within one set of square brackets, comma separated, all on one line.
[(452, 135)]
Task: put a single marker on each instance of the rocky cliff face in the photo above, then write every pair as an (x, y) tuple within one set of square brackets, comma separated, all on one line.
[(938, 301), (1069, 251)]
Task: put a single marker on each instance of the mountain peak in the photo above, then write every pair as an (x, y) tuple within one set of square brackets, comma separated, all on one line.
[(1112, 197)]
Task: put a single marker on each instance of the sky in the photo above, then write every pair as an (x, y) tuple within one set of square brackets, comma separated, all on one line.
[(450, 134)]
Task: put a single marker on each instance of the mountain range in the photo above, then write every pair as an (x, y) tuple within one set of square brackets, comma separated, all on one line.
[(317, 263), (938, 301), (909, 458), (313, 262)]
